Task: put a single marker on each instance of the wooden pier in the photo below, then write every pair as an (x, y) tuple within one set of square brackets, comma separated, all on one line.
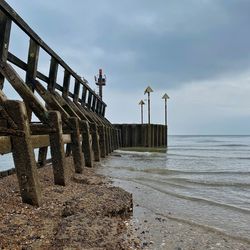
[(69, 123), (64, 117), (142, 135)]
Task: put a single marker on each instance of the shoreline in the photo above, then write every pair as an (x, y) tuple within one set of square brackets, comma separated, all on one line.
[(88, 213), (162, 229)]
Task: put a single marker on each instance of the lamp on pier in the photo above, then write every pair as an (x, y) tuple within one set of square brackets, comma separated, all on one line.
[(100, 80)]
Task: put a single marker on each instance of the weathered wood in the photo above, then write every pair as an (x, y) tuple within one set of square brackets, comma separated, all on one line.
[(57, 150), (95, 141), (6, 116), (93, 107), (51, 101), (5, 28), (66, 105), (42, 156), (32, 64), (89, 100), (87, 143), (52, 74), (17, 61), (8, 131), (31, 69), (66, 82), (76, 146), (23, 155), (102, 139), (76, 91), (5, 145), (84, 94), (40, 129), (24, 26), (24, 91)]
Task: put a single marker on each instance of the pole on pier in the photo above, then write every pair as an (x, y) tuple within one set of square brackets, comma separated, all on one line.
[(166, 97), (141, 103), (100, 81), (148, 90)]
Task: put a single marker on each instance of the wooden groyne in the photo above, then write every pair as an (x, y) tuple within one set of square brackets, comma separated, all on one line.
[(68, 124), (142, 135)]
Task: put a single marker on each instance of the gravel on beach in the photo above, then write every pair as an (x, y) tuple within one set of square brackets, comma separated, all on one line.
[(88, 213)]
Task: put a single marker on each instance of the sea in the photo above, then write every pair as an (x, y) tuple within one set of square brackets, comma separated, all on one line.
[(200, 180)]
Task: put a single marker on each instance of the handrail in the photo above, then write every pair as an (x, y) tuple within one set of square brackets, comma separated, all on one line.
[(10, 12)]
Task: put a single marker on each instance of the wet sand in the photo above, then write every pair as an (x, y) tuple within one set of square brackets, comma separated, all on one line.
[(86, 214), (157, 230)]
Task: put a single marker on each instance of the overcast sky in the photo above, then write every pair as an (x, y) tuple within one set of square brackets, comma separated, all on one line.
[(197, 51)]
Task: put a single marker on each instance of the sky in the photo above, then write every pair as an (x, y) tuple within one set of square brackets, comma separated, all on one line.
[(196, 51)]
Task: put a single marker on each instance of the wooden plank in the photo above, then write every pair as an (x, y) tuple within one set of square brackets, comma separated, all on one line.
[(31, 69), (17, 61), (24, 91), (76, 91), (42, 156), (87, 143), (23, 155), (5, 145), (89, 100), (32, 64), (66, 82), (38, 141), (42, 77), (76, 146), (51, 101), (84, 94), (57, 150), (93, 107), (66, 138), (5, 27), (52, 74)]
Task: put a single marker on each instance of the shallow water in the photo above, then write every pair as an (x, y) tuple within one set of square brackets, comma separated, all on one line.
[(201, 179)]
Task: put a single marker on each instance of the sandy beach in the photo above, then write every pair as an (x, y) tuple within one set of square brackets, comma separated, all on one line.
[(86, 214)]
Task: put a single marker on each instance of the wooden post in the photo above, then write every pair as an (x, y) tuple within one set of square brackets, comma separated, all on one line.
[(89, 99), (52, 74), (84, 94), (5, 28), (95, 141), (107, 140), (66, 82), (76, 146), (57, 149), (23, 155), (31, 70), (87, 144), (102, 140), (76, 91), (42, 156), (110, 140)]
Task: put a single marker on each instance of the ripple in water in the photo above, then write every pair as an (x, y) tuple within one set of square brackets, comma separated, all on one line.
[(201, 179)]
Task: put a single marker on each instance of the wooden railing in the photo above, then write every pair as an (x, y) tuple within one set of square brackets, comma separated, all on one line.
[(63, 118), (89, 98)]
